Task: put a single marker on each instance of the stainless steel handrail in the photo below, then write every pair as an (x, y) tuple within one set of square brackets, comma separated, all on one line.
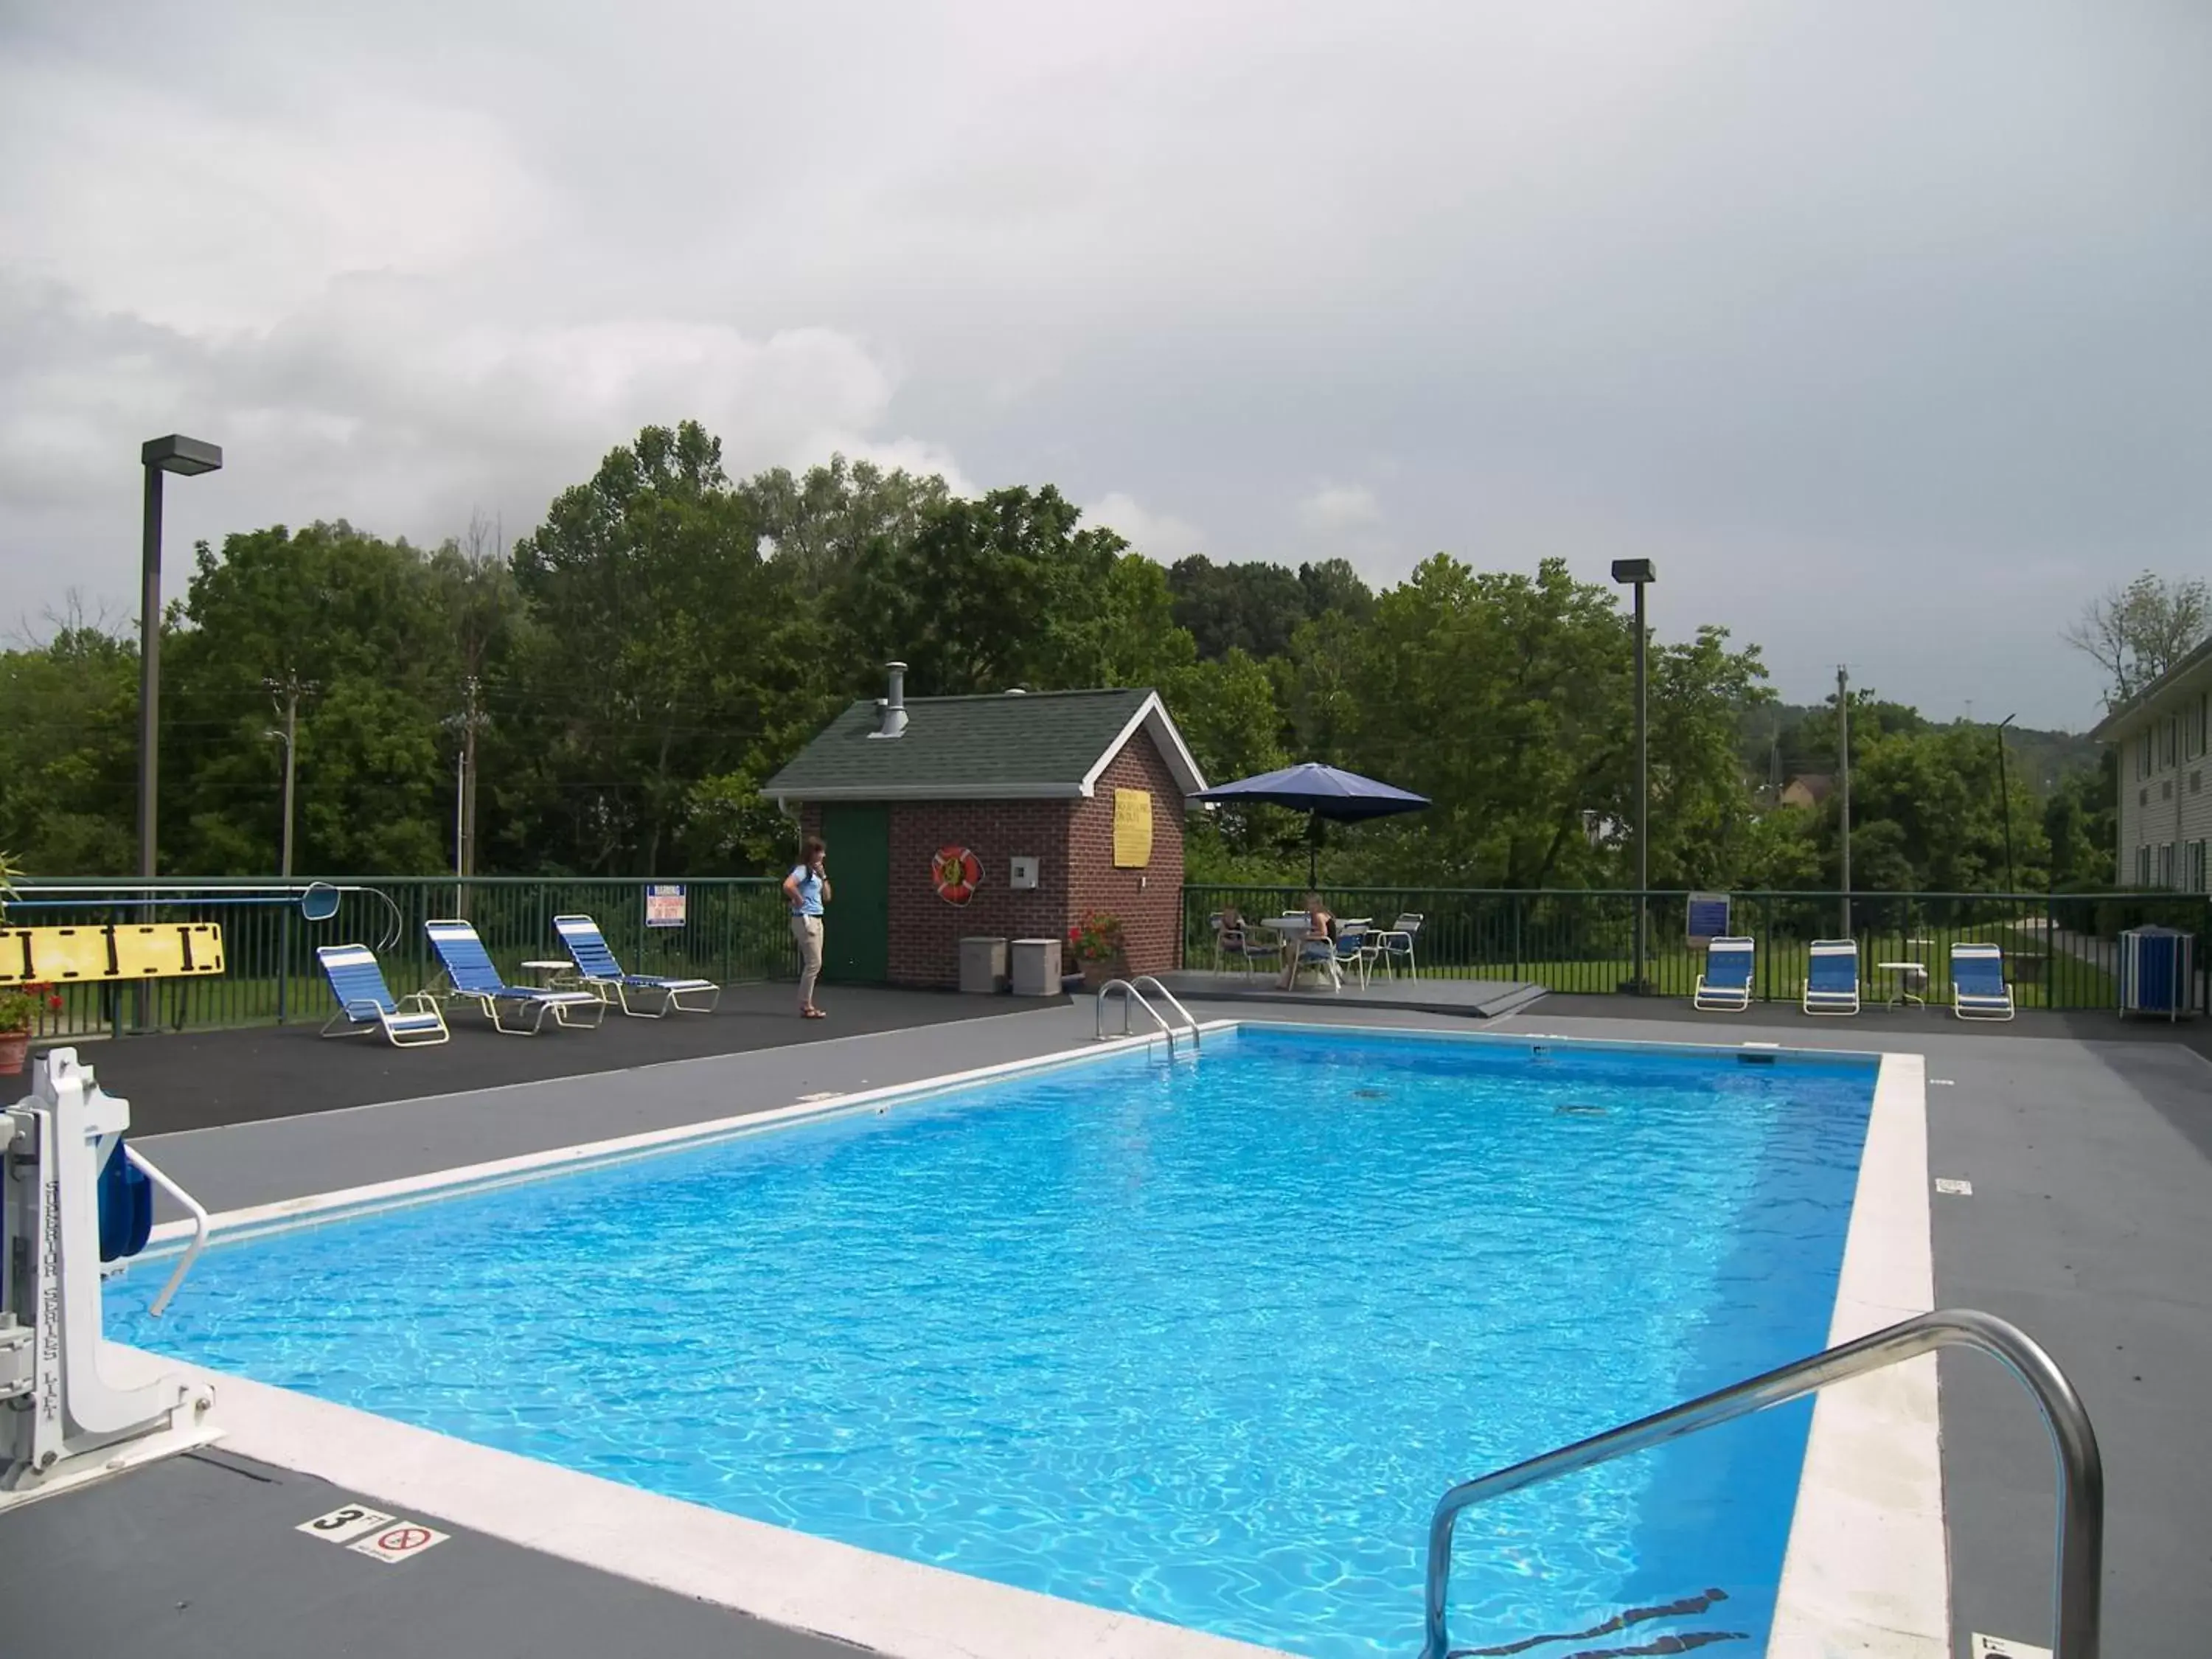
[(1168, 997), (2081, 1541), (1130, 994)]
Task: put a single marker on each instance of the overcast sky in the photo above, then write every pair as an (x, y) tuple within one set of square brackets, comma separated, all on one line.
[(1885, 328)]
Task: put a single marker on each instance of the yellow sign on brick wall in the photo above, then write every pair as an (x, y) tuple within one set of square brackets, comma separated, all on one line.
[(1133, 828)]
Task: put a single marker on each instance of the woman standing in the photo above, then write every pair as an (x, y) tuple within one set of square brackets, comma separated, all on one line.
[(808, 889)]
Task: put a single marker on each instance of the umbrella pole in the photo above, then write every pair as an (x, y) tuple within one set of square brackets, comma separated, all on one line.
[(1313, 853)]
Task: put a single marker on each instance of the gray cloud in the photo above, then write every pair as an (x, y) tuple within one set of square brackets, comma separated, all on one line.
[(1883, 328)]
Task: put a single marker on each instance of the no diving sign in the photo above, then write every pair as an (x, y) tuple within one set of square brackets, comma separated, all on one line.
[(373, 1534), (401, 1541)]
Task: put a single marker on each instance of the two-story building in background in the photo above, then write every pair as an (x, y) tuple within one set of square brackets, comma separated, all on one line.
[(2165, 809)]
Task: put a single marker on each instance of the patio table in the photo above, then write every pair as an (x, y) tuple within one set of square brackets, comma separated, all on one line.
[(1904, 975)]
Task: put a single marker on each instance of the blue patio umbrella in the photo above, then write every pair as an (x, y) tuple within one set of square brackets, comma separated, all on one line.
[(1321, 792)]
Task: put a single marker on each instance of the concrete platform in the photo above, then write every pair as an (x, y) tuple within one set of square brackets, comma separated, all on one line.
[(1468, 998)]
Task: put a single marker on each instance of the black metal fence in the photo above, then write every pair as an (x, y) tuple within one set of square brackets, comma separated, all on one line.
[(733, 929), (2061, 952)]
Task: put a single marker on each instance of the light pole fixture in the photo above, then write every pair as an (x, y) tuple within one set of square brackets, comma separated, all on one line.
[(187, 457), (1640, 573)]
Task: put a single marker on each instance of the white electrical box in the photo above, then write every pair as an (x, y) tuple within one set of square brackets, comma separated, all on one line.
[(1025, 875)]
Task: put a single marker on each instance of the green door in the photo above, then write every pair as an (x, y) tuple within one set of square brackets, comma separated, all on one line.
[(856, 923)]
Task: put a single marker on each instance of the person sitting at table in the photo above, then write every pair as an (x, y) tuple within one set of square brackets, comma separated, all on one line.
[(1314, 946)]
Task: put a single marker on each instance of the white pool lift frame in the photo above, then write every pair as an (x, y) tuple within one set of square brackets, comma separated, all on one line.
[(63, 1419)]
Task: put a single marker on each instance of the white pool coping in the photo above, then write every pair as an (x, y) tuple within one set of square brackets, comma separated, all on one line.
[(1866, 1570)]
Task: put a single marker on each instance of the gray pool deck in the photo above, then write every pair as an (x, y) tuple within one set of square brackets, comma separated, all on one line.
[(2088, 1144)]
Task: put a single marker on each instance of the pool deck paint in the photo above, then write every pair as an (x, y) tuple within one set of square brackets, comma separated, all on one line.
[(2090, 1146)]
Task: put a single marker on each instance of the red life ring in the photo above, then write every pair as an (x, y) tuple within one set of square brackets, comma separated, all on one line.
[(958, 872)]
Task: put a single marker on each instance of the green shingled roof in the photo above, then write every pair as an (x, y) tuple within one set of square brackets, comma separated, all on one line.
[(1045, 743)]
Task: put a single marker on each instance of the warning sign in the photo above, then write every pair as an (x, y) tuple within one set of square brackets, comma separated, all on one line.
[(401, 1541), (345, 1523)]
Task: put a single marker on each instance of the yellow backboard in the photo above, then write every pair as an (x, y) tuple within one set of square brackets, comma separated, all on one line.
[(70, 955), (1133, 828)]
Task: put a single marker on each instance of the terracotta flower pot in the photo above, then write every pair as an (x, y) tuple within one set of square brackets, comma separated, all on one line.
[(15, 1050)]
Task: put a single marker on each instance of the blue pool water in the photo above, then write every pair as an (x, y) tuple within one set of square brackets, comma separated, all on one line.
[(1202, 1342)]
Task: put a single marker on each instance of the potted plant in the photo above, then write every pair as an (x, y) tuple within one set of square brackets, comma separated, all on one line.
[(20, 1008), (1095, 942)]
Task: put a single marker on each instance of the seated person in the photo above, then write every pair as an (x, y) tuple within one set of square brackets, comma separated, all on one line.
[(1316, 946)]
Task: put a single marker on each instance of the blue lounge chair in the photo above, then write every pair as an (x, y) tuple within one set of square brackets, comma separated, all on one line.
[(1725, 986), (1979, 990), (366, 1003), (597, 966), (469, 970), (1832, 986)]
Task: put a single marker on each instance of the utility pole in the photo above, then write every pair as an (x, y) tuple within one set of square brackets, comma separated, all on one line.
[(1844, 787), (2004, 795), (472, 721), (287, 692)]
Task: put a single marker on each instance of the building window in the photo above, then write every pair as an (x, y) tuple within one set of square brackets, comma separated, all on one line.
[(2165, 869), (2197, 867), (2143, 796), (2192, 733), (2165, 789), (2197, 782), (2143, 868), (2142, 755)]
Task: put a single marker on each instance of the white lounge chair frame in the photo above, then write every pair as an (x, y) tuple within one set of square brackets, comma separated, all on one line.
[(1977, 1004), (1833, 1001), (1727, 998)]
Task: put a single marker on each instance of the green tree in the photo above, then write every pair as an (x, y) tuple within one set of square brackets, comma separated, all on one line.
[(2137, 633), (68, 744)]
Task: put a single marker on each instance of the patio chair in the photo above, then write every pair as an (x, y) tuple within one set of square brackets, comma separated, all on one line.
[(1353, 950), (1239, 941), (1831, 984), (601, 974), (366, 1003), (469, 970), (1979, 990), (1394, 943), (1725, 985)]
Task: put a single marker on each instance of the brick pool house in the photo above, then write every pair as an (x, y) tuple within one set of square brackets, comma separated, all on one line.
[(1064, 802)]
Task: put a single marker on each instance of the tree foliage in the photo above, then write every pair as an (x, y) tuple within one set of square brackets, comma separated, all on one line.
[(2135, 633), (639, 664)]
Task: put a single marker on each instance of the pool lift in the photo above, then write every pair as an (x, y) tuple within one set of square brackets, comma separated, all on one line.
[(75, 1194)]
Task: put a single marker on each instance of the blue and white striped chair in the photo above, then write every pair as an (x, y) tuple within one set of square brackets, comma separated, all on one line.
[(597, 966), (469, 970), (366, 1003), (1979, 990), (1832, 982), (1725, 986)]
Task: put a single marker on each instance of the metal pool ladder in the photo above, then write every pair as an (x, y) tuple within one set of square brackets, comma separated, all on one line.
[(1131, 993), (2081, 1470)]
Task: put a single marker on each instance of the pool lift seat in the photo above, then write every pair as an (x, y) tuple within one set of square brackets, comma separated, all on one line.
[(73, 1194)]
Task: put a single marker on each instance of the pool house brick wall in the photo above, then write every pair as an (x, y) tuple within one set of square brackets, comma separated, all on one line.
[(1039, 776), (1149, 901)]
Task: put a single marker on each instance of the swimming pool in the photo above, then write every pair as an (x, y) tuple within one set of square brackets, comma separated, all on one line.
[(1202, 1342)]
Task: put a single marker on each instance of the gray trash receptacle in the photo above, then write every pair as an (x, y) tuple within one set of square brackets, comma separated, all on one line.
[(982, 966), (1036, 967)]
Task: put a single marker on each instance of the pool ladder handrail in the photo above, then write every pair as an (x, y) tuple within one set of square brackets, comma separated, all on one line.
[(1130, 994), (2081, 1532)]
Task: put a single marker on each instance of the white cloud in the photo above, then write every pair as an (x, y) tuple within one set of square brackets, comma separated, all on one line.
[(1160, 536), (1335, 509)]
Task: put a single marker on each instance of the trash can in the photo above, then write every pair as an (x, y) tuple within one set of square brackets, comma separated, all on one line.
[(982, 966), (1036, 967), (2156, 974)]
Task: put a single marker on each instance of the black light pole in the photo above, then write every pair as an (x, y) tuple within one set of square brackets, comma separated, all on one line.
[(2004, 796), (186, 457), (1639, 573)]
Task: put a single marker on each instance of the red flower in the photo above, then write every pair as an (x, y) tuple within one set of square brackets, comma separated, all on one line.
[(54, 1003)]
